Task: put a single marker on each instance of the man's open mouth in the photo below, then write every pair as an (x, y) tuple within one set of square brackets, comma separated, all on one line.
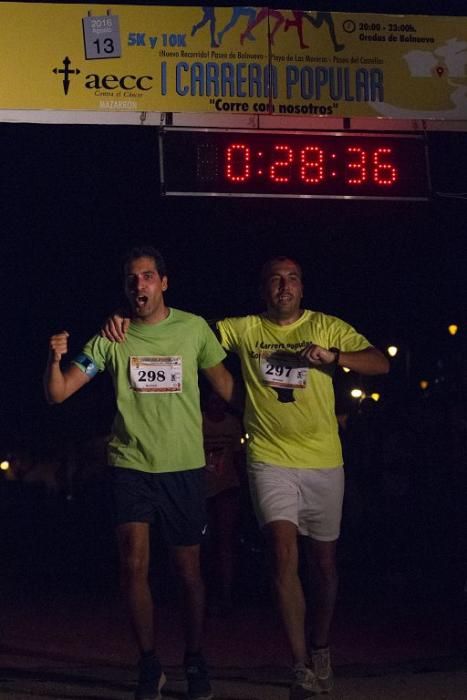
[(141, 301)]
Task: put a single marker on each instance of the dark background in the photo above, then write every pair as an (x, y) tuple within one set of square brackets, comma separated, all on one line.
[(74, 198)]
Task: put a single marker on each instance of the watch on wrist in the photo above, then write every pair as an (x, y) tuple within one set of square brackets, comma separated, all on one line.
[(337, 354)]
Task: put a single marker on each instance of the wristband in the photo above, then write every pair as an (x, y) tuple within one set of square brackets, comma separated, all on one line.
[(337, 354)]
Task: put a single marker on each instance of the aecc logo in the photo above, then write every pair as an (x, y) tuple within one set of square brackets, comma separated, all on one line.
[(94, 81)]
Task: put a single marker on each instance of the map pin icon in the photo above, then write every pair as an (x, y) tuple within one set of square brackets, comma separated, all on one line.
[(440, 71)]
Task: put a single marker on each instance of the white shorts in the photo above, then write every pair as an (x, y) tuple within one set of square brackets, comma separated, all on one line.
[(309, 498)]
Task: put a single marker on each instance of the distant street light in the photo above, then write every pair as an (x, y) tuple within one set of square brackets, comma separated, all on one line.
[(424, 384), (5, 465), (361, 396), (453, 328), (404, 358)]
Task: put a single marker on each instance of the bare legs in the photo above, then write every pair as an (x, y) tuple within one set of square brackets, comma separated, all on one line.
[(321, 556), (134, 551), (133, 541), (133, 546), (322, 569), (188, 569)]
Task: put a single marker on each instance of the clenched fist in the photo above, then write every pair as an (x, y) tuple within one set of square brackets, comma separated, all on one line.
[(58, 346), (318, 356)]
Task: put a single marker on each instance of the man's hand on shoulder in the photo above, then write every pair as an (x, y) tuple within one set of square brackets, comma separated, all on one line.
[(115, 327)]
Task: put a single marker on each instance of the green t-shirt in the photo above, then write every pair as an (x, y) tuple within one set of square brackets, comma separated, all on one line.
[(289, 413), (158, 425)]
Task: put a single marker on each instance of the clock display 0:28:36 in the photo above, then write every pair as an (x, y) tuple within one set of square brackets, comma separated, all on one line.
[(301, 164)]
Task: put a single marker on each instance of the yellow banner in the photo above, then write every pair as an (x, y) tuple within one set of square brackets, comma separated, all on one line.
[(232, 60)]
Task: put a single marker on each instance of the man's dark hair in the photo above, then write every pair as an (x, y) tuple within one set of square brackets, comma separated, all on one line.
[(146, 251), (278, 259)]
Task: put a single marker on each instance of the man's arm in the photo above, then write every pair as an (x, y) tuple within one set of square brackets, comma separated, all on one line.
[(368, 361), (222, 382), (59, 384), (115, 327)]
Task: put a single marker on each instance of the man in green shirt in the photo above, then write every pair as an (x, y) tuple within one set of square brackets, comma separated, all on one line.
[(156, 450), (295, 467)]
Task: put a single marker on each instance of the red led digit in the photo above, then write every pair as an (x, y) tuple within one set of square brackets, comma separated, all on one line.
[(384, 173), (312, 169), (308, 163), (284, 163), (237, 162), (357, 166)]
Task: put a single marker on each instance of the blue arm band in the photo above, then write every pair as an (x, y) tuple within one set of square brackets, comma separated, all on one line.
[(86, 364)]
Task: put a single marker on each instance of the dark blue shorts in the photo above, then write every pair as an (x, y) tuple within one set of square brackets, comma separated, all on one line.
[(173, 501)]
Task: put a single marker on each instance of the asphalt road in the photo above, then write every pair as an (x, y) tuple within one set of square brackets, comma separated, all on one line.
[(391, 641)]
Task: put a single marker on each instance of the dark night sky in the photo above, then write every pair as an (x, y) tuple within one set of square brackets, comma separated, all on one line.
[(428, 7), (74, 198)]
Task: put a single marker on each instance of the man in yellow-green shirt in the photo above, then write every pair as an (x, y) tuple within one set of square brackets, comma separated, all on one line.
[(295, 467), (288, 355)]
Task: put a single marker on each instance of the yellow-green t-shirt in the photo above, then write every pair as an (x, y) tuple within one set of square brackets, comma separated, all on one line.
[(158, 425), (289, 413)]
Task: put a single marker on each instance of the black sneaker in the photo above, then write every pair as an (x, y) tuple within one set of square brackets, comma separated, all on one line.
[(150, 680), (199, 687)]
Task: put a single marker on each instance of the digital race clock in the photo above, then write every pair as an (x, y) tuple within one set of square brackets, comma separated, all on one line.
[(245, 163)]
